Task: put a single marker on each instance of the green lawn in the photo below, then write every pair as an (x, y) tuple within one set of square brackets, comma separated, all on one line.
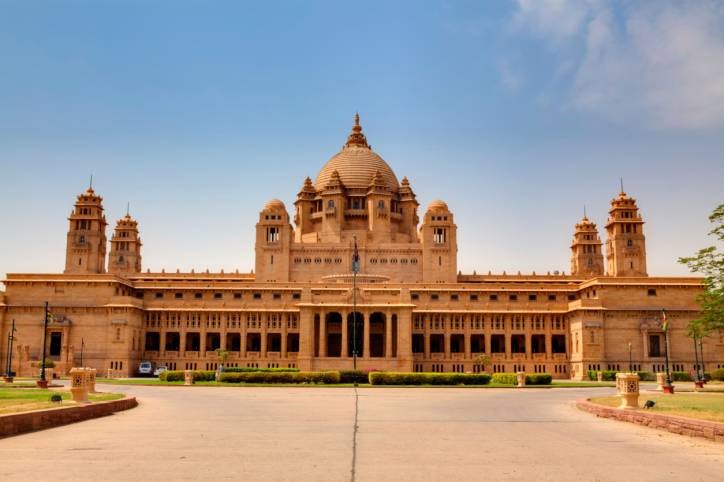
[(704, 406), (13, 400)]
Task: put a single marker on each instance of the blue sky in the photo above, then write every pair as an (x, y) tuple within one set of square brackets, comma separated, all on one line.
[(515, 113)]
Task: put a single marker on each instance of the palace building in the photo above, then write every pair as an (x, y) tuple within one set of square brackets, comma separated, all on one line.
[(414, 310)]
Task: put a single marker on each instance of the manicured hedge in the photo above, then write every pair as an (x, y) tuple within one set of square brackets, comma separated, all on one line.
[(681, 377), (354, 376), (178, 376), (647, 376), (280, 377), (538, 379), (251, 369), (394, 378), (608, 375), (505, 378), (718, 375)]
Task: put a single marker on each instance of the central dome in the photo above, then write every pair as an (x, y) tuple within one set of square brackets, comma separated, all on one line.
[(356, 164)]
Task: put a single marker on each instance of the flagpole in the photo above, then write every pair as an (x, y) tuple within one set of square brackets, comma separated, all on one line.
[(355, 268), (11, 338)]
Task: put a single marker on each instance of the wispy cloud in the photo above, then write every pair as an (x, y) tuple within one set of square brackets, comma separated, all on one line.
[(660, 64)]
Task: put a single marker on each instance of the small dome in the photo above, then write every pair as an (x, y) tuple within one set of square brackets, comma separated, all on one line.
[(274, 205), (437, 205)]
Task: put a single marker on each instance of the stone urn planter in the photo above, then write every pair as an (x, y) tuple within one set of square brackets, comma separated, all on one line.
[(41, 383), (8, 379)]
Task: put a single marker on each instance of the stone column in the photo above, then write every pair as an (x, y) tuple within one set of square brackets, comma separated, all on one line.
[(446, 338), (264, 323), (344, 353), (162, 342), (322, 334), (285, 334), (427, 344), (467, 346), (404, 340), (306, 338), (388, 335), (366, 337)]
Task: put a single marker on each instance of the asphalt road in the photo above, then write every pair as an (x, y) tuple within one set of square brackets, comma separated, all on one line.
[(275, 433)]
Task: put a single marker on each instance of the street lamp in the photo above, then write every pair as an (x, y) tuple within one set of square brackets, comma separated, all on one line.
[(630, 362), (43, 383), (668, 387), (9, 367)]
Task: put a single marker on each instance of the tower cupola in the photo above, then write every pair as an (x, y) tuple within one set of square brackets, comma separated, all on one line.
[(86, 239), (586, 250), (125, 254), (625, 240)]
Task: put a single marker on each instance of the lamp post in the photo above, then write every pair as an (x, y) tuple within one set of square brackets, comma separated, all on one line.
[(9, 368), (696, 360), (82, 344), (43, 383), (668, 387), (630, 362), (701, 357)]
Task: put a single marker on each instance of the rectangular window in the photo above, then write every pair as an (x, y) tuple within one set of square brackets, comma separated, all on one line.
[(277, 296), (237, 296), (434, 297), (415, 296), (178, 296), (571, 297), (272, 234), (654, 345), (532, 297), (198, 296), (473, 297), (439, 236), (296, 296), (257, 296), (218, 296), (454, 297), (652, 292), (55, 343), (513, 297), (159, 295), (493, 297), (551, 297)]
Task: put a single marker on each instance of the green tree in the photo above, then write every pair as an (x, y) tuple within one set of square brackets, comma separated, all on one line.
[(710, 262)]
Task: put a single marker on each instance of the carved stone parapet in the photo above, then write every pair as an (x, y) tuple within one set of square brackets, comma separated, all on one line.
[(627, 387)]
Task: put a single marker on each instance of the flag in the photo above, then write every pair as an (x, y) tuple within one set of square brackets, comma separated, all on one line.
[(664, 321), (355, 258)]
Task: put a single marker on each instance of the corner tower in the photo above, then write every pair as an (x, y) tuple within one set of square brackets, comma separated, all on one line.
[(625, 242), (274, 237), (85, 250), (586, 252), (438, 234), (125, 255)]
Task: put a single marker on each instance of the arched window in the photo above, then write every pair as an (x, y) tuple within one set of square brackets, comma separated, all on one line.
[(381, 204)]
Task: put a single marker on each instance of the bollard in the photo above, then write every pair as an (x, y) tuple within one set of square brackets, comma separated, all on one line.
[(627, 387), (188, 377), (660, 381), (599, 376), (521, 379), (78, 385)]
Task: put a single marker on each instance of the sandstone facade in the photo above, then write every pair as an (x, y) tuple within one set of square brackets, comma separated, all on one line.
[(415, 311)]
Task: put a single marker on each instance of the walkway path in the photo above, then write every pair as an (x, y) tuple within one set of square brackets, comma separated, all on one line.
[(211, 433)]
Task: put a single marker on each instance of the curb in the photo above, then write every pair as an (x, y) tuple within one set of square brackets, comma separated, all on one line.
[(18, 423), (671, 423)]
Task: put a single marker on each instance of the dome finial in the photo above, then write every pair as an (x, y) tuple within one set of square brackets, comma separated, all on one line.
[(356, 138)]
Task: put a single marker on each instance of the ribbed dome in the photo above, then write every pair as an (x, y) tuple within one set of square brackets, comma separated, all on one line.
[(356, 164), (274, 204), (437, 205)]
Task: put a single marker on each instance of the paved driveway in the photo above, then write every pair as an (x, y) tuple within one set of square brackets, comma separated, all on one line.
[(211, 433)]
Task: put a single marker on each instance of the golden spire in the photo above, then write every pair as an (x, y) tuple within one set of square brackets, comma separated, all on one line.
[(356, 138)]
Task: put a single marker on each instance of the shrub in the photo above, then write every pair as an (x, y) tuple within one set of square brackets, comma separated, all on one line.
[(608, 375), (718, 375), (354, 376), (647, 376), (204, 376), (505, 378), (251, 369), (538, 379), (172, 376), (280, 377), (681, 377), (394, 378)]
